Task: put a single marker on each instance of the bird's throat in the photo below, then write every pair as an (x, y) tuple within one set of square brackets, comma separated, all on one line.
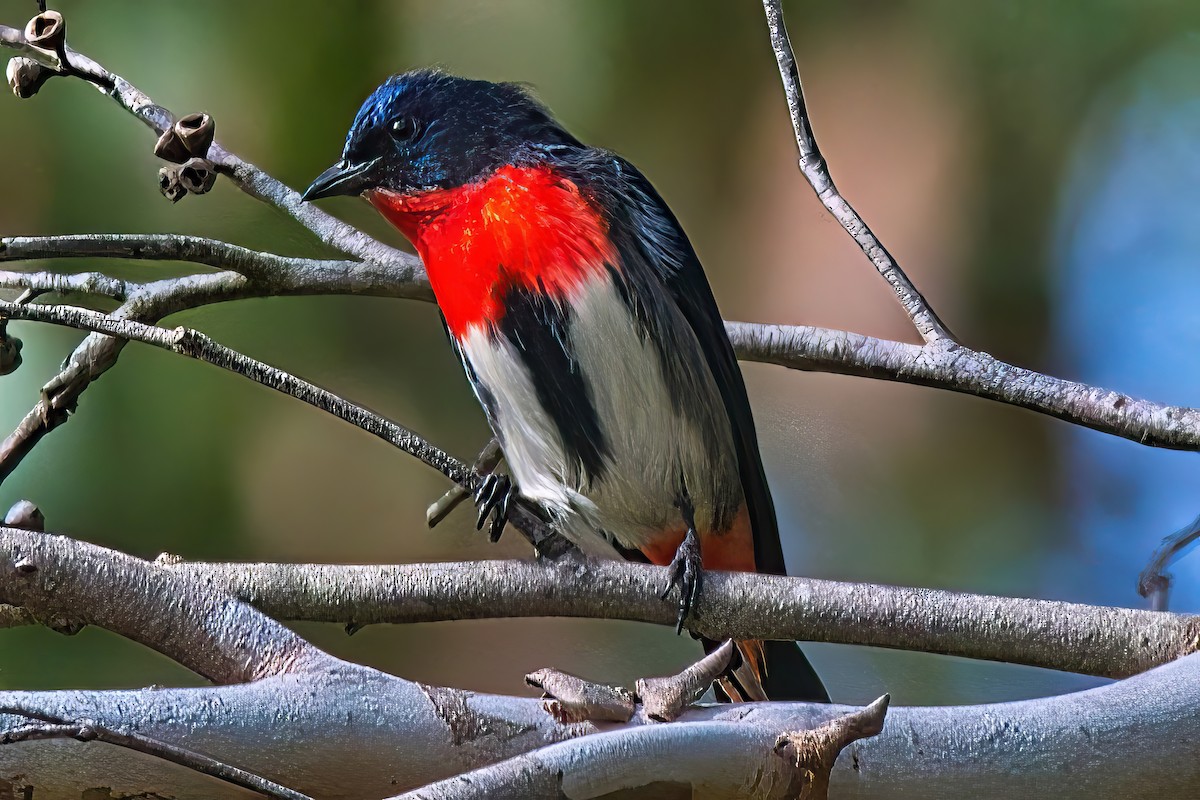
[(527, 228)]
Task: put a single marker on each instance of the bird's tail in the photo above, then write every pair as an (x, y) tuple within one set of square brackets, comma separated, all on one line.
[(769, 670)]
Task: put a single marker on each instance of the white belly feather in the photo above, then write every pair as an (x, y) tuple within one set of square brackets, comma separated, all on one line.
[(652, 449)]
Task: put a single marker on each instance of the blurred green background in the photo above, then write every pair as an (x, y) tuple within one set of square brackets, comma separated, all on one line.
[(955, 128)]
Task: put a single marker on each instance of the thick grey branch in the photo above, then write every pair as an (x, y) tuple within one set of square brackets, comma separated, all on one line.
[(66, 584), (391, 734), (816, 171), (1094, 640)]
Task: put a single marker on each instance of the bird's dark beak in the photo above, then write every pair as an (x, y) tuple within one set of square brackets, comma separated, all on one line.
[(342, 178)]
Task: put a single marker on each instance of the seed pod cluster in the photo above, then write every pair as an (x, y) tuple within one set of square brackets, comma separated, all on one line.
[(186, 144)]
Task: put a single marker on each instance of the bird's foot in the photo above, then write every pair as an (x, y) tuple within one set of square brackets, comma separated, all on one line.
[(687, 572), (492, 498)]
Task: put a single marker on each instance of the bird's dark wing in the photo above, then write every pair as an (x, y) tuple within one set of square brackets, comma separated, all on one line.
[(656, 255), (659, 265)]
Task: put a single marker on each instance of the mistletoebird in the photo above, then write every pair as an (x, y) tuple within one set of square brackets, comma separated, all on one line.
[(588, 331)]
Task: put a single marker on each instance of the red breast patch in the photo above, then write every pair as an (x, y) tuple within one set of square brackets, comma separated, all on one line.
[(524, 227)]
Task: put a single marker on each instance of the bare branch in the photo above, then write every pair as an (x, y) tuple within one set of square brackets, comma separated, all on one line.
[(91, 283), (1155, 582), (269, 273), (1092, 640), (946, 365), (244, 175), (816, 171), (197, 345), (266, 275), (569, 698), (486, 462), (714, 759), (49, 727), (66, 584), (1074, 746)]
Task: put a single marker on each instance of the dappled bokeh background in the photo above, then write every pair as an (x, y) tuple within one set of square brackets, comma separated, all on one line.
[(1032, 165)]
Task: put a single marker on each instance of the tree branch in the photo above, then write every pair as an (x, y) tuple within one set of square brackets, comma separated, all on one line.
[(265, 275), (247, 177), (392, 734), (67, 584), (50, 727), (816, 171), (198, 346), (713, 759), (89, 283), (1093, 640), (950, 366)]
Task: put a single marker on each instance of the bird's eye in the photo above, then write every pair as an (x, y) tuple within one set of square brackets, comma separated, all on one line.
[(404, 129)]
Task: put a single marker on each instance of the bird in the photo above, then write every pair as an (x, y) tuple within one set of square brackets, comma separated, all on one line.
[(589, 333)]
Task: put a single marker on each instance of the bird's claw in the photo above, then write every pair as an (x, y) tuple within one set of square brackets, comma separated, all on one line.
[(687, 572), (493, 498)]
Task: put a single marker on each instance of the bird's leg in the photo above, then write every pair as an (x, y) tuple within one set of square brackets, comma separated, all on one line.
[(493, 498), (687, 569)]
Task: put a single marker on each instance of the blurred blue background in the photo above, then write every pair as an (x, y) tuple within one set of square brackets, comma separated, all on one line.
[(1032, 165)]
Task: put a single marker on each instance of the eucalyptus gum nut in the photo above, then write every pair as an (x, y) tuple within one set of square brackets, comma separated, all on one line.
[(48, 30), (195, 132)]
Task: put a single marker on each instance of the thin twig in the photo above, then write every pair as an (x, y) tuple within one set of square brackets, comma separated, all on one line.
[(1154, 582), (89, 283), (487, 460), (49, 727), (199, 346), (816, 171), (950, 366), (265, 275), (244, 175)]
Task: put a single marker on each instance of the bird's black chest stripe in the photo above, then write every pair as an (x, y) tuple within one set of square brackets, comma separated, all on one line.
[(539, 330)]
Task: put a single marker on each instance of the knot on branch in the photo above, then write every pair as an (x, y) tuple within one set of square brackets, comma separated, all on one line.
[(569, 698), (26, 76), (25, 515), (811, 753), (664, 699), (10, 352)]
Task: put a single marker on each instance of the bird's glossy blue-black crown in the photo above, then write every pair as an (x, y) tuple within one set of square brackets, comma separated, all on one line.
[(429, 129)]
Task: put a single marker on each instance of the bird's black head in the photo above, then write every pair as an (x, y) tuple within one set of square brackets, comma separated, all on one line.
[(427, 130)]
